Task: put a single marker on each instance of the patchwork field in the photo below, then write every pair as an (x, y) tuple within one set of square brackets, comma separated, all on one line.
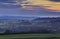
[(30, 36)]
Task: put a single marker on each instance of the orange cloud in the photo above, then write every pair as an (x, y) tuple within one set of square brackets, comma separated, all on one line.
[(53, 6), (31, 7)]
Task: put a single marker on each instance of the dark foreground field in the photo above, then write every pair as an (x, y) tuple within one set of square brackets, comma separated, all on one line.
[(30, 36)]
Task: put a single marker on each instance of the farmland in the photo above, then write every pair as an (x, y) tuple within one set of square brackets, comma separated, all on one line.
[(30, 36)]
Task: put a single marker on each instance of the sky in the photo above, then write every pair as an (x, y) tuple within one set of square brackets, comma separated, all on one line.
[(40, 8)]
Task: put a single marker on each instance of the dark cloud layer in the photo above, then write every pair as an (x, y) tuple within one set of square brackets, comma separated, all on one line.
[(5, 0), (11, 0), (16, 10), (55, 0)]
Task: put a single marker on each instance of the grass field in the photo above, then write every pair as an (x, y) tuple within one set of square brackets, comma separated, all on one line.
[(30, 36)]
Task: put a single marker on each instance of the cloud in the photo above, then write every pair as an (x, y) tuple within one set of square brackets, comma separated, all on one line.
[(11, 0), (29, 10), (6, 0), (49, 5), (55, 0), (9, 4), (18, 3)]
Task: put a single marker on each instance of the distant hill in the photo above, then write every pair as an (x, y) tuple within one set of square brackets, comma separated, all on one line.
[(46, 19), (16, 17), (28, 18), (44, 24)]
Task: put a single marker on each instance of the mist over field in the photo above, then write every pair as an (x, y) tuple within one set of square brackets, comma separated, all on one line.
[(19, 24)]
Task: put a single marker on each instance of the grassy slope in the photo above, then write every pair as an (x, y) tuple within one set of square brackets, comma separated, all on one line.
[(44, 36)]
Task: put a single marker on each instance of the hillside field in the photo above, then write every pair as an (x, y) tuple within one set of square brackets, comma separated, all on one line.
[(30, 36)]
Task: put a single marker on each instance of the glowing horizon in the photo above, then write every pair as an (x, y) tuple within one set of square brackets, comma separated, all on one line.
[(49, 5)]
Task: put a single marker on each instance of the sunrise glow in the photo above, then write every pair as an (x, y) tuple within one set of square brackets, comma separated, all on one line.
[(49, 5)]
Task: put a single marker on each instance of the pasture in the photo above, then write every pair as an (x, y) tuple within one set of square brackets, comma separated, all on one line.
[(30, 36)]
